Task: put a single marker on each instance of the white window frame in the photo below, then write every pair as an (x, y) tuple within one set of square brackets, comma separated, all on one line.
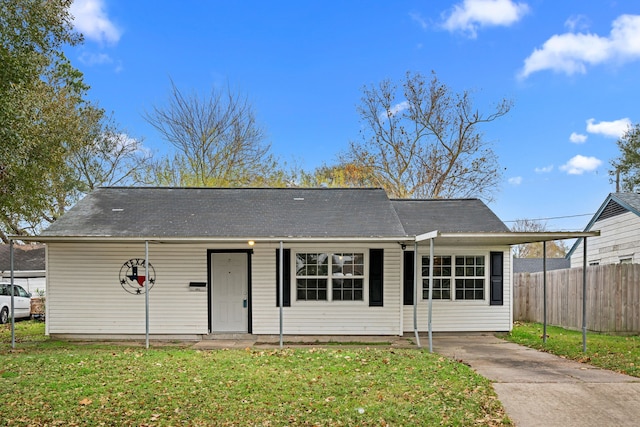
[(453, 276), (331, 276)]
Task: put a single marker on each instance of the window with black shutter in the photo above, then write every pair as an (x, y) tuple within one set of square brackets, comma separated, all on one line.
[(376, 272), (497, 281), (407, 280), (286, 282)]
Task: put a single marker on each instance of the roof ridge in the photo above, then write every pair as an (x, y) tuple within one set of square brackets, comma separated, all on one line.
[(435, 199), (116, 187)]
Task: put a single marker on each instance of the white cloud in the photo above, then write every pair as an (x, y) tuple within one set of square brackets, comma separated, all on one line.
[(398, 108), (545, 169), (90, 18), (613, 129), (516, 180), (416, 17), (577, 22), (88, 58), (578, 165), (570, 53), (473, 14), (578, 138)]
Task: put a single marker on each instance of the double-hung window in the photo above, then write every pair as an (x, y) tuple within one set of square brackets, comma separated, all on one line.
[(441, 277), (322, 276), (465, 273)]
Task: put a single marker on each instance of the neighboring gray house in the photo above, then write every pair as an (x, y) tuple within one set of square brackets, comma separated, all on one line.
[(214, 257), (618, 220), (28, 265), (535, 265)]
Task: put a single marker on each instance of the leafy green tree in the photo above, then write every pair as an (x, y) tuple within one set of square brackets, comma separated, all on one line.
[(423, 140), (38, 88), (625, 169), (47, 129), (217, 139), (346, 175)]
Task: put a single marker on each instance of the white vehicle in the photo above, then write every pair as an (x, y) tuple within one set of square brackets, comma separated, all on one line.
[(21, 298)]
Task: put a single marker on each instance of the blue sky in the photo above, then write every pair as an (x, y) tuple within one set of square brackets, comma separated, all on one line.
[(571, 68)]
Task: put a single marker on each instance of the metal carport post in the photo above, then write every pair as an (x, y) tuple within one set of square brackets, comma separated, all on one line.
[(584, 293), (420, 238)]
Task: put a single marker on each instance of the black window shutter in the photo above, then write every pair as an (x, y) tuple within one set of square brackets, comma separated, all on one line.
[(497, 281), (286, 282), (376, 271), (407, 280)]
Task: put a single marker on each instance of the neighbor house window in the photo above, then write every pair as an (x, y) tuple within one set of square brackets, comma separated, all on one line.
[(466, 273), (626, 260), (330, 276)]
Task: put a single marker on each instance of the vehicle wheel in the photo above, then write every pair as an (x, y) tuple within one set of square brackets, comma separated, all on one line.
[(4, 315)]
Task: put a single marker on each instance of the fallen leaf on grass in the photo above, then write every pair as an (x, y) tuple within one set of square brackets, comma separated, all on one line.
[(85, 402)]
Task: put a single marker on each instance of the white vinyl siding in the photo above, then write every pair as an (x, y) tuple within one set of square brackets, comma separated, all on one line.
[(465, 315), (619, 238), (85, 298), (84, 295), (326, 317)]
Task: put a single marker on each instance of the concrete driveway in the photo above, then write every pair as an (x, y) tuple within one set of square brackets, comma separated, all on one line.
[(539, 389)]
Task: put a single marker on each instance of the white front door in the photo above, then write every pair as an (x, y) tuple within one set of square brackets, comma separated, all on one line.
[(229, 295)]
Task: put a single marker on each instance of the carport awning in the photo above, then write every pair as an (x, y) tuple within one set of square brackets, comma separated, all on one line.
[(507, 238), (500, 238)]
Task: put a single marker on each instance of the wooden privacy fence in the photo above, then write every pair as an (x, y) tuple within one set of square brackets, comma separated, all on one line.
[(613, 298)]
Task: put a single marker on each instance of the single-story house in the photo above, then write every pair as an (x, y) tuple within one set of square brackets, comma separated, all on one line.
[(28, 267), (188, 262), (618, 220)]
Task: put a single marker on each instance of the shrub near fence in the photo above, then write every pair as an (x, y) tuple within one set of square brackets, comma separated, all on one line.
[(613, 298)]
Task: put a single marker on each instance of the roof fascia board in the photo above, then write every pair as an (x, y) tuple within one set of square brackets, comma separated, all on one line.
[(115, 239), (516, 238)]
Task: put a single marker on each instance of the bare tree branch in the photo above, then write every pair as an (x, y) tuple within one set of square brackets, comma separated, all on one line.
[(422, 140), (217, 139)]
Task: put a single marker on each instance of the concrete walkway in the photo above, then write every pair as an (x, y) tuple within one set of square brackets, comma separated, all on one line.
[(539, 389)]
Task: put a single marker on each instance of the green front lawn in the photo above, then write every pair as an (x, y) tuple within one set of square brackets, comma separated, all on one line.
[(53, 383), (616, 353)]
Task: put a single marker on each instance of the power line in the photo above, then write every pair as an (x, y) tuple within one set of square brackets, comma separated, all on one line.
[(550, 218)]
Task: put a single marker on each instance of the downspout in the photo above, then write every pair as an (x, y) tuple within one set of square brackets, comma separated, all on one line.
[(281, 288), (415, 293)]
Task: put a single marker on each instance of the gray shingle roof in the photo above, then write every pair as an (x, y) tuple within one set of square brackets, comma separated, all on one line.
[(630, 200), (25, 258), (227, 212), (264, 212), (447, 215), (534, 265)]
